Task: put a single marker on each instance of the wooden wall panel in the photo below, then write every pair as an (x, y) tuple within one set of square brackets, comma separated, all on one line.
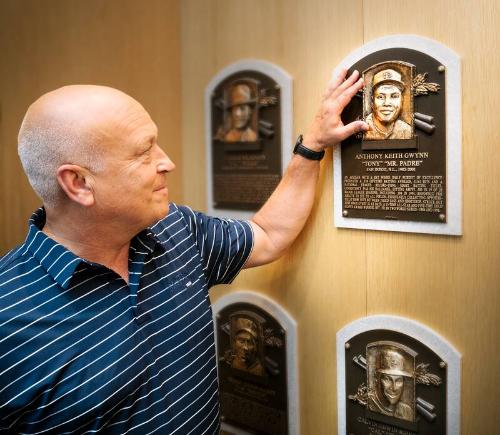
[(130, 45), (452, 284), (331, 277)]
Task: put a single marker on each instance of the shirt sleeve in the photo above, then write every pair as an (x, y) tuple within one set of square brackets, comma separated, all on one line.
[(224, 244)]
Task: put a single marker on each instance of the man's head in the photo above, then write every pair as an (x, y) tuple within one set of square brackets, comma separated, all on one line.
[(391, 374), (241, 110), (245, 340), (387, 95), (95, 147)]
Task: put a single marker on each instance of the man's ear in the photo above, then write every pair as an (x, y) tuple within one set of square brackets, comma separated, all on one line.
[(75, 182)]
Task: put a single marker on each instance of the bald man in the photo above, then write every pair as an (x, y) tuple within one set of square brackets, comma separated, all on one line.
[(106, 324)]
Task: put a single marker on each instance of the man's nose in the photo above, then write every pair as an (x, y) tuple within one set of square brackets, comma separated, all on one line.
[(164, 162)]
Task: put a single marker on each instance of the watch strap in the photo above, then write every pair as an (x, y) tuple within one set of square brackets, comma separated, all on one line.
[(306, 152)]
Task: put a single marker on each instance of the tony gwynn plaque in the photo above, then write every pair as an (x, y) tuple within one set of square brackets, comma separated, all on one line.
[(405, 167)]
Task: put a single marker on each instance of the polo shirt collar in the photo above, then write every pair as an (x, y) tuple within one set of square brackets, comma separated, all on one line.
[(59, 262)]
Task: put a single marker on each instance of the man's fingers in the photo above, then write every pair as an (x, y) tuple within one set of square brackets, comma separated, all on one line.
[(346, 84), (351, 128), (344, 98), (334, 83)]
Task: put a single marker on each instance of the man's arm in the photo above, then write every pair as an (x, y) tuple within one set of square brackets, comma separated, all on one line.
[(280, 220)]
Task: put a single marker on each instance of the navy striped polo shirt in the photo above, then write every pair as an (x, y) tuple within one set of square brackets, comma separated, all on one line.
[(82, 352)]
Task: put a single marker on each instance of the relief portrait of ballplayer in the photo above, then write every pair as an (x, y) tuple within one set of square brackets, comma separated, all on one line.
[(386, 97), (385, 394), (239, 114), (246, 345), (106, 322)]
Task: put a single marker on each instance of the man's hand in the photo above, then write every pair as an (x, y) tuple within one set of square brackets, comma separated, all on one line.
[(280, 220), (327, 128)]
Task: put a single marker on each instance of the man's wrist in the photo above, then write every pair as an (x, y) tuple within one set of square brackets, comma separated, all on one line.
[(310, 142), (306, 152)]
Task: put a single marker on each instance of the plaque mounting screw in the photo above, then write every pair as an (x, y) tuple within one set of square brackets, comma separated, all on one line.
[(345, 213), (222, 418), (218, 316), (441, 68), (348, 345), (442, 364), (442, 217)]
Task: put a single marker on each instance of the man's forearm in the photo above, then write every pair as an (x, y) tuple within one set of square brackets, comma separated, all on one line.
[(285, 213)]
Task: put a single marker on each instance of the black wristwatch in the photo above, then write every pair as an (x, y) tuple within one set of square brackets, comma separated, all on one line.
[(306, 152)]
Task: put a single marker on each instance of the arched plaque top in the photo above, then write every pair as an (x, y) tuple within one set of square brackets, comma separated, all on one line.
[(439, 51), (265, 67)]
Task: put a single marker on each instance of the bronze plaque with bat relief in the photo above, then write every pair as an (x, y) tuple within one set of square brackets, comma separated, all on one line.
[(397, 169)]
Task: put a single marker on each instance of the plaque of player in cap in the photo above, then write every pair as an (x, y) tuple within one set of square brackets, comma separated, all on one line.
[(403, 174), (246, 129), (396, 377), (254, 367)]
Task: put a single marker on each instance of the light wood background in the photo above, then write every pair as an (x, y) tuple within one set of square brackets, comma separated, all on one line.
[(44, 44), (164, 52), (332, 276)]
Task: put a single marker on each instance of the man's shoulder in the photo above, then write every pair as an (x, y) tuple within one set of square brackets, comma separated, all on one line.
[(10, 258), (177, 218), (18, 270)]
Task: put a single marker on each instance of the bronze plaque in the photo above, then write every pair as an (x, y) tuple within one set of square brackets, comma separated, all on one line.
[(395, 385), (252, 370), (246, 147), (397, 170)]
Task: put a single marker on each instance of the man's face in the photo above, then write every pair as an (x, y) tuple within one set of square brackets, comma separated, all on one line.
[(240, 116), (387, 103), (132, 188), (392, 387), (245, 347)]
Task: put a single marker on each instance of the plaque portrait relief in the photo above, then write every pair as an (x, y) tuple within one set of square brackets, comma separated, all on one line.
[(248, 119), (246, 343), (403, 173), (390, 379), (240, 114), (388, 101)]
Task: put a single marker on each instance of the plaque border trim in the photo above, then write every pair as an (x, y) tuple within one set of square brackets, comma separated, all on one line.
[(284, 80), (414, 329), (290, 327), (451, 61)]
